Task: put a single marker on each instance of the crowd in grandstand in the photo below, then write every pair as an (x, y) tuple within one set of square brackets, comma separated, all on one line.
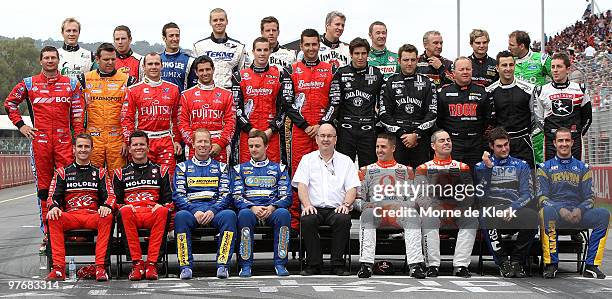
[(232, 140)]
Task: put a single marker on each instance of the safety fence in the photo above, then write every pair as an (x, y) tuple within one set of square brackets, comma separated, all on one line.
[(15, 170)]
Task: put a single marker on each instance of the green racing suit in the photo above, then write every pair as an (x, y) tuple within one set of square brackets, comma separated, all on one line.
[(534, 68), (385, 61)]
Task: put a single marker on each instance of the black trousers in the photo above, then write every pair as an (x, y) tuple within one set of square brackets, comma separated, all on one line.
[(357, 140), (340, 233), (525, 223), (415, 156)]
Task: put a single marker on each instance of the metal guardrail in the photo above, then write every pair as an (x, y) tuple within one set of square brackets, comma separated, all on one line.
[(15, 170)]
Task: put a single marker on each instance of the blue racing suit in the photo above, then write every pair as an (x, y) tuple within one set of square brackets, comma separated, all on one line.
[(176, 68), (508, 184), (567, 183), (262, 183), (202, 186)]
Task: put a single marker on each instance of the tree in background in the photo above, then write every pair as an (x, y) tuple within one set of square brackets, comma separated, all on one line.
[(19, 58)]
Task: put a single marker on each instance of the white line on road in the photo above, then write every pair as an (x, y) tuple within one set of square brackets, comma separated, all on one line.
[(16, 198)]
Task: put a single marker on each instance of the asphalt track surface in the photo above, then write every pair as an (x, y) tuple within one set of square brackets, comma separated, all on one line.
[(20, 274)]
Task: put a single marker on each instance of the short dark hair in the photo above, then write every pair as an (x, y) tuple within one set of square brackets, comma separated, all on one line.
[(522, 38), (388, 137), (562, 56), (123, 28), (309, 33), (137, 134), (259, 134), (107, 47), (407, 48), (169, 26), (144, 58), (267, 20), (498, 133), (48, 49), (562, 130), (261, 39), (375, 23), (203, 59), (503, 54), (359, 42), (82, 136)]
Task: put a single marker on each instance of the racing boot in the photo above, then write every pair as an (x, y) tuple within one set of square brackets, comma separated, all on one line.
[(101, 273), (151, 271), (365, 271), (138, 270), (57, 274), (592, 271), (550, 271)]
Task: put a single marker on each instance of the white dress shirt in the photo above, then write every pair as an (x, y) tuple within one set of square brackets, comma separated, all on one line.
[(328, 181)]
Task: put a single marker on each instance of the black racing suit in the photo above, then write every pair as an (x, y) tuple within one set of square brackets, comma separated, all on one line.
[(513, 110), (484, 70), (465, 113), (353, 96), (440, 76), (409, 105)]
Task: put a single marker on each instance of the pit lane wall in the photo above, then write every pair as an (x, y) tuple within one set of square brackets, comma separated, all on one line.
[(15, 170)]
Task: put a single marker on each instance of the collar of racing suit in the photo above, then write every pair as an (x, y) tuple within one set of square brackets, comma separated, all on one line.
[(140, 166), (409, 76), (564, 160), (106, 74), (70, 48), (275, 49), (379, 52), (508, 85), (561, 85), (386, 164), (439, 161), (524, 58), (311, 63), (479, 60), (152, 83), (359, 70), (81, 167), (218, 40), (51, 80), (260, 70), (499, 161), (330, 44), (463, 87), (173, 53), (259, 163), (205, 87), (125, 55), (201, 163)]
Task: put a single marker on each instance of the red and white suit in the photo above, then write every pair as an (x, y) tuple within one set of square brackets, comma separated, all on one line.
[(208, 107), (152, 107), (56, 106)]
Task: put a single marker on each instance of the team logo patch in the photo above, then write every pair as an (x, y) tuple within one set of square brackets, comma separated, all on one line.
[(245, 243), (224, 248), (203, 182), (283, 241), (182, 250), (562, 107)]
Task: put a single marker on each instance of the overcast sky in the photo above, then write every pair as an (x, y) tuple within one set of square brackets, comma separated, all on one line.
[(406, 20)]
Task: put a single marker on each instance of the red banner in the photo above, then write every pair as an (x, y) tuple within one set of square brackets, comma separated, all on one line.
[(15, 170)]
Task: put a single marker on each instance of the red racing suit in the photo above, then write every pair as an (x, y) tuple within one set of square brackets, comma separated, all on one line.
[(138, 188), (208, 107), (311, 83), (79, 190), (152, 107), (260, 98), (130, 64), (56, 106)]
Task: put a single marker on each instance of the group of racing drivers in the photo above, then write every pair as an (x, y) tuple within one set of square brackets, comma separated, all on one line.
[(236, 120)]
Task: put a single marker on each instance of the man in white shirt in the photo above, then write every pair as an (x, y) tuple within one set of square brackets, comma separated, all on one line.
[(327, 184)]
